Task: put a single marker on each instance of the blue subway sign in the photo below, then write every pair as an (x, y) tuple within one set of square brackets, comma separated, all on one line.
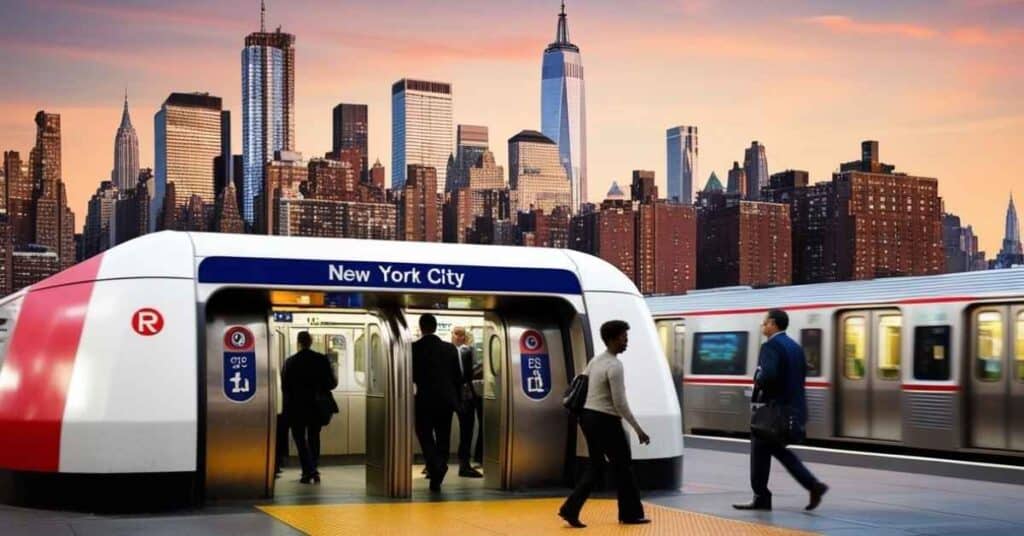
[(388, 275), (534, 365), (239, 364)]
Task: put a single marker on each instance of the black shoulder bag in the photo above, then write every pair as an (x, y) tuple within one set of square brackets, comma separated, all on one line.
[(575, 396), (773, 421)]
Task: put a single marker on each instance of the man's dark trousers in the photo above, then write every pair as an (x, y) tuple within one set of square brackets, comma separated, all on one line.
[(761, 452), (434, 430), (470, 414), (606, 437), (307, 442)]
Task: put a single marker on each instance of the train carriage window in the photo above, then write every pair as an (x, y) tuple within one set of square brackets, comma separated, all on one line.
[(359, 359), (889, 346), (1018, 347), (336, 351), (720, 353), (810, 339), (931, 353), (855, 342), (989, 347)]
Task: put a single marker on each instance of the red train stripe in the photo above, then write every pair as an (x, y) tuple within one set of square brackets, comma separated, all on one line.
[(35, 377), (742, 381), (908, 301), (926, 387)]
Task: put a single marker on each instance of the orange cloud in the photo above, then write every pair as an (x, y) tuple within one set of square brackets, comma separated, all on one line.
[(978, 36), (847, 25)]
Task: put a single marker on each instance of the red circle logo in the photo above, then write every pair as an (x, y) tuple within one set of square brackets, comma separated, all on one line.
[(532, 341), (237, 338), (147, 322)]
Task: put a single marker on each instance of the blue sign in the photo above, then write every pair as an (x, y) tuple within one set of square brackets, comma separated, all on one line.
[(535, 365), (260, 271), (283, 317), (239, 364)]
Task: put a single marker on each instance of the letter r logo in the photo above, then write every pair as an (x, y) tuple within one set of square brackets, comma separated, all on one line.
[(147, 322)]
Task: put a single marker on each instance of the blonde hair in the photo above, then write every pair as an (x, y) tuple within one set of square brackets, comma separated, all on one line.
[(465, 332)]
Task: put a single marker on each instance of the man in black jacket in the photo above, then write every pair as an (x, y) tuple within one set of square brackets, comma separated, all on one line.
[(779, 380), (304, 376), (435, 371)]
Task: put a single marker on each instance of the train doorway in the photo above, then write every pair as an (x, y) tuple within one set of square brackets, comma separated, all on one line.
[(523, 353)]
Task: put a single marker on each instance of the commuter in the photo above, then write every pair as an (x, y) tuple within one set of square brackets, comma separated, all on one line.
[(601, 420), (472, 403), (779, 382), (307, 381), (435, 371)]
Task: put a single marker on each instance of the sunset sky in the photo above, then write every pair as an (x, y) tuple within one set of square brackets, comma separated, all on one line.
[(938, 82)]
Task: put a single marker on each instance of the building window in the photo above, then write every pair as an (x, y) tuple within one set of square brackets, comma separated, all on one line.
[(720, 353)]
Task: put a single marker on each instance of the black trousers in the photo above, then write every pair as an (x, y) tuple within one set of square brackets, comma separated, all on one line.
[(307, 442), (606, 438), (473, 412), (434, 430), (761, 453)]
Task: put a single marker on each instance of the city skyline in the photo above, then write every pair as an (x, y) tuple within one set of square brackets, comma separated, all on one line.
[(928, 117)]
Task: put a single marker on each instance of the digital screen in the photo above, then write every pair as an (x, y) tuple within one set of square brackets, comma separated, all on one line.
[(720, 353)]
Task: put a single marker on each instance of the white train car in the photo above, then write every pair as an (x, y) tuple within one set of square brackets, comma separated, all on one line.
[(161, 357), (931, 363)]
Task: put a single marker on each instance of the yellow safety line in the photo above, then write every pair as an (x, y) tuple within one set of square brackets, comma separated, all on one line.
[(507, 518)]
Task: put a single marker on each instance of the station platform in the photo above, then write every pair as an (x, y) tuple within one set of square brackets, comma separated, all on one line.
[(862, 500)]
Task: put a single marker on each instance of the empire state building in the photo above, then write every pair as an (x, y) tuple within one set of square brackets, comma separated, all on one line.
[(563, 108)]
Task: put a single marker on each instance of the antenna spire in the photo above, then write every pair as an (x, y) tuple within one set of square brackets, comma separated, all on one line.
[(263, 16)]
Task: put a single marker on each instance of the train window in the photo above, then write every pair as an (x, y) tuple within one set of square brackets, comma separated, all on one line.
[(855, 341), (989, 347), (889, 346), (1018, 347), (379, 360), (496, 355), (810, 339), (359, 359), (931, 353), (336, 351), (720, 353)]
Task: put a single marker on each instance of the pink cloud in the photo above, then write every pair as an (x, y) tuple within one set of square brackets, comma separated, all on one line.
[(847, 25), (978, 36)]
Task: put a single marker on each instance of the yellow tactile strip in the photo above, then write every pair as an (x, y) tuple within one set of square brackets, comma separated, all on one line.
[(510, 517)]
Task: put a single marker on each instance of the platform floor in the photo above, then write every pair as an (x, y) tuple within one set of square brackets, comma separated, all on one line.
[(862, 501)]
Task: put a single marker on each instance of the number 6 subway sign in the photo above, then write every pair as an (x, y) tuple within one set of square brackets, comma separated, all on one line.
[(239, 364), (535, 365)]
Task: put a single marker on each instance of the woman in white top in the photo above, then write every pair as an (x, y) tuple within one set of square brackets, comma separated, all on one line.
[(601, 420)]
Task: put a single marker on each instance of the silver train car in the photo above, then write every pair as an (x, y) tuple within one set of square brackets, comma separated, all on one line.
[(931, 363)]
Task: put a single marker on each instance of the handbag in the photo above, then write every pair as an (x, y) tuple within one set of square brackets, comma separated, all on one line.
[(777, 424), (326, 407), (575, 396)]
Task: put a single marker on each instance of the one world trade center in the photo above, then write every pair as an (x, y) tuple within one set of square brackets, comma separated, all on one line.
[(563, 108)]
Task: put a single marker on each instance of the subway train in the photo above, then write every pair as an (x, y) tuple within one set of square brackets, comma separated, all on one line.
[(156, 363), (933, 363)]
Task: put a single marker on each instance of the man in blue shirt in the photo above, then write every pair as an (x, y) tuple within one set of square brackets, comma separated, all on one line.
[(779, 381)]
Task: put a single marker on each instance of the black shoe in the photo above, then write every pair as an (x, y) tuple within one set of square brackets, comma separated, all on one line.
[(305, 480), (573, 522), (435, 486), (468, 472), (759, 503), (817, 492), (639, 521), (316, 478)]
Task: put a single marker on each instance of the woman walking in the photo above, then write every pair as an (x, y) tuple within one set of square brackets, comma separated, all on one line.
[(601, 420)]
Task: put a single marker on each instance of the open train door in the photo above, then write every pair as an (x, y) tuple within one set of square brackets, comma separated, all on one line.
[(389, 408)]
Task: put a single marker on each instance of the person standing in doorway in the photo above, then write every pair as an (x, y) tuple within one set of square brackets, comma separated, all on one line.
[(435, 373), (305, 377), (605, 409), (779, 380), (472, 404)]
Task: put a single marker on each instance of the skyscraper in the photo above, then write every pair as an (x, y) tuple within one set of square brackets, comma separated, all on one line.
[(535, 175), (1011, 252), (126, 153), (268, 106), (737, 181), (755, 166), (563, 108), (421, 129), (188, 139), (351, 127), (54, 221), (470, 145), (682, 150)]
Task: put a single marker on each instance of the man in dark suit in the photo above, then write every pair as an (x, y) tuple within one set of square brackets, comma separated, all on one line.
[(779, 380), (435, 371), (472, 404), (303, 376)]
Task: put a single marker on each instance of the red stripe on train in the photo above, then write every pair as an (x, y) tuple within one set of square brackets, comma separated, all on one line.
[(816, 384), (933, 388), (35, 377), (908, 301)]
